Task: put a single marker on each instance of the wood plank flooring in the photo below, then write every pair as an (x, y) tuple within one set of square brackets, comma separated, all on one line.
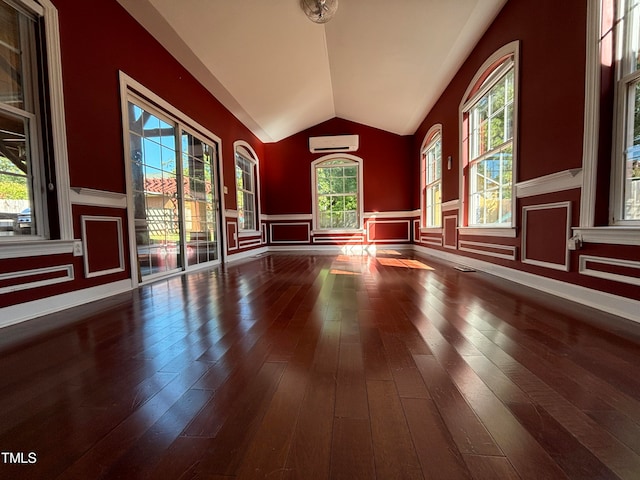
[(322, 367)]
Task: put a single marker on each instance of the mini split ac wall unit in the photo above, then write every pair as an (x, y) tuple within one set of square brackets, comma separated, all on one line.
[(334, 143)]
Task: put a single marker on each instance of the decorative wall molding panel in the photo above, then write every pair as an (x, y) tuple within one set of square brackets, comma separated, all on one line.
[(345, 239), (35, 278), (450, 231), (290, 232), (232, 235), (378, 231), (545, 231), (36, 308), (431, 241), (625, 271), (249, 242), (97, 237), (506, 252)]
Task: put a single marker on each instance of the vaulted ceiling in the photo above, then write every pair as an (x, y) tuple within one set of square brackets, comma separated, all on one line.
[(379, 63)]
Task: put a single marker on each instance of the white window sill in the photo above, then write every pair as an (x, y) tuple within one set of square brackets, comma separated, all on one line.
[(249, 233), (34, 247), (354, 230), (505, 232), (612, 235), (437, 230)]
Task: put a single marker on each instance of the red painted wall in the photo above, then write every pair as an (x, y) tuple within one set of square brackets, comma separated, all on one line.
[(98, 42), (552, 39), (551, 109), (387, 169)]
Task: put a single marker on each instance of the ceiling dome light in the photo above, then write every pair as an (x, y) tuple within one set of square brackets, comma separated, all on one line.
[(319, 11)]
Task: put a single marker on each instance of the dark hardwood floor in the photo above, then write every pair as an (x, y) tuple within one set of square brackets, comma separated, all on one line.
[(317, 367)]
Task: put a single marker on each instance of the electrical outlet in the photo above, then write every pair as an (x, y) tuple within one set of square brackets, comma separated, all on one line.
[(77, 248), (574, 243)]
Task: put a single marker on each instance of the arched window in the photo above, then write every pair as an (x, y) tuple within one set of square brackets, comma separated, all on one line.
[(489, 136), (431, 178), (247, 199), (337, 192)]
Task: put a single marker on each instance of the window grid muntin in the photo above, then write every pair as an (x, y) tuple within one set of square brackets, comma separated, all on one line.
[(433, 182), (337, 210), (170, 227), (245, 193), (479, 154), (627, 172), (23, 111)]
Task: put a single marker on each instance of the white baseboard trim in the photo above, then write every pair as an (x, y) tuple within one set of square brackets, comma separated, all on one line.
[(21, 312), (346, 249), (234, 257), (607, 302)]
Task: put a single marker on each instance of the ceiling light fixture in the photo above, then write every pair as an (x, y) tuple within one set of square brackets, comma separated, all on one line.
[(319, 11)]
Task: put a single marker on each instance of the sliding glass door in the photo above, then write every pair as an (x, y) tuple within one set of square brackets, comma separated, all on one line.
[(199, 206), (173, 183)]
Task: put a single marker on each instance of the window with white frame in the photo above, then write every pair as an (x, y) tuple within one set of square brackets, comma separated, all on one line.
[(337, 193), (24, 168), (626, 165), (488, 126), (246, 189), (432, 180)]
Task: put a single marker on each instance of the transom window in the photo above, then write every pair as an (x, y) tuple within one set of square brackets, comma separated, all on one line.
[(432, 180), (489, 118), (246, 189), (337, 204)]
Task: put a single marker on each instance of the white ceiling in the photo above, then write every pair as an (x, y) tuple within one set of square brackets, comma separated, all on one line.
[(381, 63)]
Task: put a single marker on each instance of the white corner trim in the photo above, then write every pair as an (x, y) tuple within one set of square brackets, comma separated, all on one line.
[(554, 182), (98, 198), (504, 232), (585, 270), (607, 302), (609, 235)]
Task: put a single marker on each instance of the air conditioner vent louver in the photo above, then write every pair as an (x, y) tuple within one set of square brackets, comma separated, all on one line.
[(334, 143)]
